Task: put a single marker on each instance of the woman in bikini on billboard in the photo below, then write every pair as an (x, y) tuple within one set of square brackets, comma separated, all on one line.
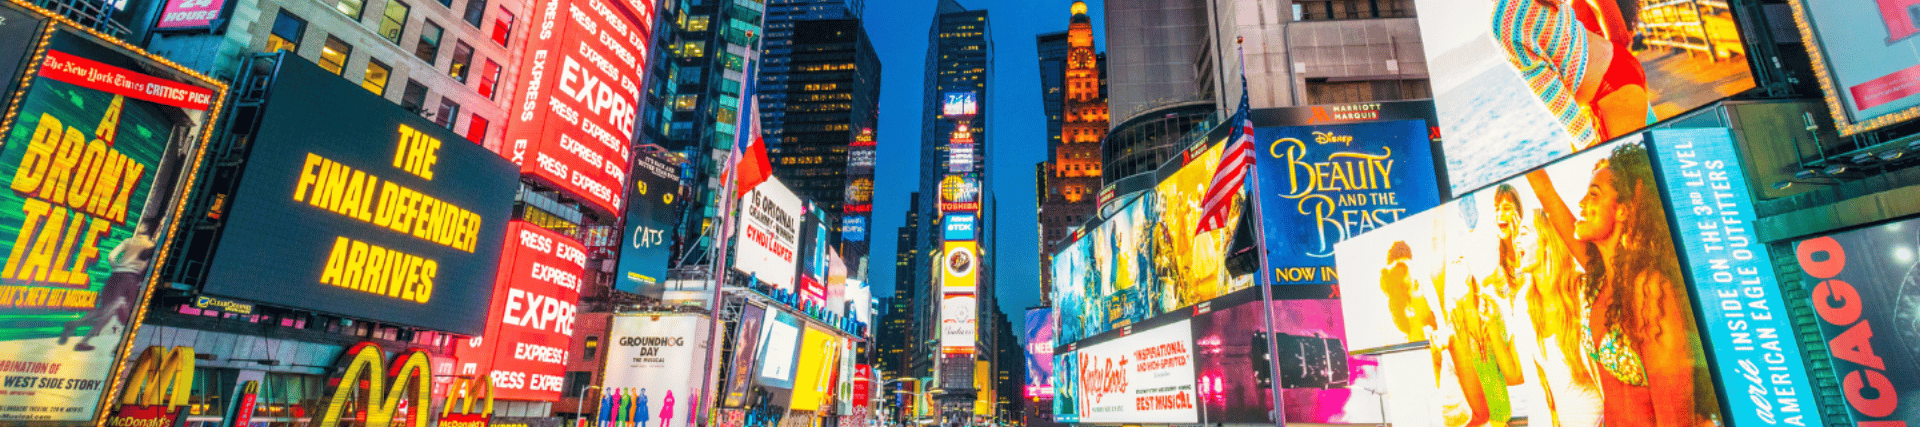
[(1576, 56)]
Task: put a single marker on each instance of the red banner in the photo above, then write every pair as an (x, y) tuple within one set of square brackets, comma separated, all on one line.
[(530, 324), (576, 116), (90, 74)]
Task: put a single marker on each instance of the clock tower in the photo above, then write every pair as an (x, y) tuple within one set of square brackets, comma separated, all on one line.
[(1072, 174)]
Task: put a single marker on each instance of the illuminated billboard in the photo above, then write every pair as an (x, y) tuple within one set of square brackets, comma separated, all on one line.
[(653, 210), (189, 14), (1862, 280), (814, 375), (768, 242), (959, 323), (746, 345), (1143, 377), (1039, 352), (959, 104), (1513, 94), (99, 146), (388, 217), (779, 346), (530, 324), (960, 263), (656, 358), (1318, 185), (1319, 383), (1560, 283), (814, 268), (1192, 266), (1866, 58), (960, 192), (960, 227), (577, 113)]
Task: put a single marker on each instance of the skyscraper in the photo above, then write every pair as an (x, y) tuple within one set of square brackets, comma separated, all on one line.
[(832, 89), (1073, 79), (776, 54), (705, 64)]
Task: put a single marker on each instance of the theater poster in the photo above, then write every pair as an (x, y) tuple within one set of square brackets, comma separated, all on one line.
[(1319, 185), (1865, 288), (97, 154)]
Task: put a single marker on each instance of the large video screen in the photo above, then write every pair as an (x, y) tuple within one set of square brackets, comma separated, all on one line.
[(577, 112), (530, 323), (99, 150), (1143, 377), (1866, 57), (350, 205), (1319, 383), (1553, 296), (1039, 352), (1866, 290), (1190, 266), (819, 358), (1519, 83), (1318, 185), (654, 360)]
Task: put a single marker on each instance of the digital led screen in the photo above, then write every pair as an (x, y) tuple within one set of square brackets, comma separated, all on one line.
[(960, 192), (1513, 94), (1318, 185), (1192, 266), (960, 226), (1865, 287), (959, 104), (658, 358), (371, 212), (99, 149), (653, 209), (1319, 383), (1555, 295), (819, 358), (769, 238), (779, 343), (1143, 377), (1866, 58), (746, 339), (814, 267), (576, 112), (530, 323), (959, 323), (1039, 352), (189, 14), (961, 266)]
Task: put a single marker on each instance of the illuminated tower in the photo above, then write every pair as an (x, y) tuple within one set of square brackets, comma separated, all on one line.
[(1076, 79)]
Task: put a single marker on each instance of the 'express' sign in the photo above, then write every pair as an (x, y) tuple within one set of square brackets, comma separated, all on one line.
[(530, 325)]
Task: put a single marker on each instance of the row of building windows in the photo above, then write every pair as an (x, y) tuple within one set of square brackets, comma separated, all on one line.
[(827, 67), (1327, 10)]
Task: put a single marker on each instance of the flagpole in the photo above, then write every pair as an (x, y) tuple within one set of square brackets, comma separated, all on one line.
[(708, 399)]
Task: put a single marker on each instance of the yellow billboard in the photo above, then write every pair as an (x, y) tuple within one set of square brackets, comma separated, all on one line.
[(1189, 264), (813, 377), (961, 264)]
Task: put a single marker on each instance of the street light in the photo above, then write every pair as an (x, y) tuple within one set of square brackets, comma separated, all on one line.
[(579, 420)]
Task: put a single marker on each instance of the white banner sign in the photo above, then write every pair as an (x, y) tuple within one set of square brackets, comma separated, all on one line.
[(1146, 377), (656, 360), (769, 235)]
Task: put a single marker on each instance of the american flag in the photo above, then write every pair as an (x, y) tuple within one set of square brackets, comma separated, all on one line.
[(1234, 162)]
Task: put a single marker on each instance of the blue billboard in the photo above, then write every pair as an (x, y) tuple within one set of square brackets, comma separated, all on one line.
[(1746, 321), (960, 227), (1318, 185)]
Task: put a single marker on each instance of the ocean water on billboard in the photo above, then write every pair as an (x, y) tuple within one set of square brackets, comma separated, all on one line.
[(1493, 128)]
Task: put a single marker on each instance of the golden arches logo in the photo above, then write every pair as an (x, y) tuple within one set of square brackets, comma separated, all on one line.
[(411, 370), (158, 374), (470, 391)]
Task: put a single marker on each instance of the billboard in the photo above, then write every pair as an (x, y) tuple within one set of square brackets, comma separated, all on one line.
[(1066, 387), (1867, 59), (1318, 185), (960, 227), (372, 211), (653, 210), (100, 145), (1076, 291), (1740, 301), (813, 268), (959, 323), (189, 14), (656, 359), (768, 243), (1860, 280), (1144, 377), (1318, 381), (530, 324), (1192, 267), (746, 349), (779, 344), (960, 264), (577, 113), (959, 104), (960, 192), (819, 358), (1039, 352), (1513, 93), (1534, 304)]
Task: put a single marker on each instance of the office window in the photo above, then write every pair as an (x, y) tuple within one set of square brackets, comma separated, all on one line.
[(476, 10), (394, 20), (414, 99), (286, 33), (477, 129), (448, 111), (429, 48), (489, 76), (351, 8), (462, 59), (333, 55), (502, 27), (376, 78)]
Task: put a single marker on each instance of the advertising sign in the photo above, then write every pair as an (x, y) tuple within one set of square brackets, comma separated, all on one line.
[(1076, 292), (1146, 377), (1746, 319), (577, 112), (157, 388), (1862, 280), (657, 359), (1066, 387), (1513, 93), (1039, 352), (1329, 114), (1318, 185), (746, 345), (769, 238), (99, 156), (959, 323), (388, 217), (368, 389), (960, 192), (819, 358), (779, 343), (959, 104), (960, 226), (530, 324), (1319, 382), (1555, 295), (1191, 266), (653, 209), (189, 14), (961, 266), (813, 259), (1867, 59)]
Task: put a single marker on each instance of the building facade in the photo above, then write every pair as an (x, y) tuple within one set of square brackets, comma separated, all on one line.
[(1074, 92), (830, 98)]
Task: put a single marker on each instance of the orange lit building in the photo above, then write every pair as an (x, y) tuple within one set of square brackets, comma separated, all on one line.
[(1071, 176)]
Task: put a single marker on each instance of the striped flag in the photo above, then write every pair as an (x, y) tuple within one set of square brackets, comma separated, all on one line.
[(1232, 172)]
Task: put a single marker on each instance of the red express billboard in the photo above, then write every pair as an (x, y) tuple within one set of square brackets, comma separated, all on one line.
[(576, 116), (530, 324)]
